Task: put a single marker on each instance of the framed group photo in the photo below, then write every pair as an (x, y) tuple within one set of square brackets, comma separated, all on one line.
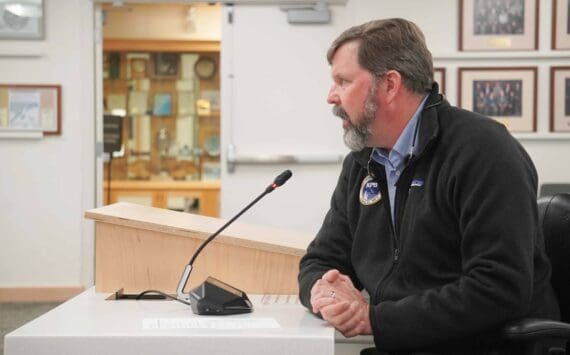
[(560, 24), (498, 25), (31, 107), (507, 94), (439, 78), (560, 99)]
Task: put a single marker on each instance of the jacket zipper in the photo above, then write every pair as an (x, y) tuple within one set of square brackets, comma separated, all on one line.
[(396, 255), (395, 226)]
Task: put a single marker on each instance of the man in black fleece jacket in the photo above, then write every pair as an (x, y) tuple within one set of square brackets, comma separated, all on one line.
[(434, 213)]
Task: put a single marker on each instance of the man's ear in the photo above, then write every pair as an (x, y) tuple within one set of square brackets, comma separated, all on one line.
[(392, 85)]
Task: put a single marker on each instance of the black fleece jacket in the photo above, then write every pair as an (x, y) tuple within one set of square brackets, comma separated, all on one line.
[(466, 254)]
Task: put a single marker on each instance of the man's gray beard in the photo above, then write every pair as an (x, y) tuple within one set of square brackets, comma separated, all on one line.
[(356, 136)]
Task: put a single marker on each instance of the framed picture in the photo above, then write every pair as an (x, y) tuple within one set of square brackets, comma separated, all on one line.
[(439, 78), (22, 19), (31, 107), (498, 25), (138, 68), (162, 104), (165, 65), (560, 24), (507, 94), (560, 99)]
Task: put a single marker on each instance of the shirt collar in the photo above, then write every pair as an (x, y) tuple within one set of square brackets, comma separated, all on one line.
[(404, 144)]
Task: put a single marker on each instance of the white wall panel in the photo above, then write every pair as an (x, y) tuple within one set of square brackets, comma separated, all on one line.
[(274, 84)]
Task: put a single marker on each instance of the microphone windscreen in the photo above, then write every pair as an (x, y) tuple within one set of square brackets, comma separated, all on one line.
[(283, 177)]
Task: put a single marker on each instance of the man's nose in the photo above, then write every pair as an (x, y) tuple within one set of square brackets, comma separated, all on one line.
[(332, 97)]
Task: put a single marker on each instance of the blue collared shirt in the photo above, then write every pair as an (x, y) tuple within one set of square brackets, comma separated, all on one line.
[(394, 161)]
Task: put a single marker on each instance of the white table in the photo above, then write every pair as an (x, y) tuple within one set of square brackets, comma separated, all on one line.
[(89, 324)]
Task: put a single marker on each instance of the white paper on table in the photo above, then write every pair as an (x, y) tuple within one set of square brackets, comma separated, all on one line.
[(210, 323)]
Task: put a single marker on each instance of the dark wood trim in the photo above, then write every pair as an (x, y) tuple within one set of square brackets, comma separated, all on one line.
[(461, 25), (553, 70), (536, 24), (442, 70), (134, 45)]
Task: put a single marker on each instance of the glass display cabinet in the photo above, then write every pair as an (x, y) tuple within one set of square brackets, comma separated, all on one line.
[(169, 104)]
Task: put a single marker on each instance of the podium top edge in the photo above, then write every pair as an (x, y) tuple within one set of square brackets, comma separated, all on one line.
[(196, 226)]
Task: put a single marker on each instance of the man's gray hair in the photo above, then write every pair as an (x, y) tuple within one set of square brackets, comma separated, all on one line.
[(391, 44)]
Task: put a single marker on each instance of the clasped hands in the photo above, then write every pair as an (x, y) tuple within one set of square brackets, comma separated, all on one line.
[(341, 304)]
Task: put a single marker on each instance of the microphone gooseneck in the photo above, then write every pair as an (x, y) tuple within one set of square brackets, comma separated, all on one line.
[(279, 181)]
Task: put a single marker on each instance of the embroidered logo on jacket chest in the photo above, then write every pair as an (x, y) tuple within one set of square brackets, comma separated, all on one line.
[(369, 191)]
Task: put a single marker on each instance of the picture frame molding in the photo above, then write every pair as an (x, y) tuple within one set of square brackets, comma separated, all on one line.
[(531, 69), (56, 88), (552, 115), (154, 72), (556, 19), (442, 85), (462, 32), (41, 27)]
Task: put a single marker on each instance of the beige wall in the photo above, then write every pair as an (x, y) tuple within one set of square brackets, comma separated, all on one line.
[(175, 22), (46, 184)]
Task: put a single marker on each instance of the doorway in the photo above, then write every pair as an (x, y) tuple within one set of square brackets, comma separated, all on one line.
[(161, 106)]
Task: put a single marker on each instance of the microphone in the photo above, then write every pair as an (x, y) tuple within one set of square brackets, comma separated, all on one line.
[(214, 297), (279, 180)]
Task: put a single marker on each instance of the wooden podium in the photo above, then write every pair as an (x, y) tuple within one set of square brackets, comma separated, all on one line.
[(139, 248)]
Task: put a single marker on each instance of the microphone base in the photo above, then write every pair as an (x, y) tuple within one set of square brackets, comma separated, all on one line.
[(214, 297)]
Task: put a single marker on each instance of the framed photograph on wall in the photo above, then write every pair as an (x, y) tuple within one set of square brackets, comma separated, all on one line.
[(560, 24), (31, 107), (22, 19), (507, 94), (138, 68), (560, 99), (439, 78), (498, 25), (165, 65)]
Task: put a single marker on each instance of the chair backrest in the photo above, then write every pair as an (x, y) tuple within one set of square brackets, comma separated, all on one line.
[(551, 189), (554, 217)]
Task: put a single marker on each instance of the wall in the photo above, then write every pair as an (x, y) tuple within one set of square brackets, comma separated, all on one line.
[(46, 184), (274, 84), (166, 21)]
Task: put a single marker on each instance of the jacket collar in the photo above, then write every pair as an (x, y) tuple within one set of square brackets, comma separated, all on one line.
[(428, 130)]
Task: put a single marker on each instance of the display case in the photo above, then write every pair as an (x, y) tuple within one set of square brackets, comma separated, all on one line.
[(169, 104)]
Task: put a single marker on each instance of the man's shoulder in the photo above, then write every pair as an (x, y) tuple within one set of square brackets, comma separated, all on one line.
[(467, 126)]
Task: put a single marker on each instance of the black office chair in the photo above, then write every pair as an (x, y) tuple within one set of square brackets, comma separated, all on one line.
[(534, 334), (551, 189)]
